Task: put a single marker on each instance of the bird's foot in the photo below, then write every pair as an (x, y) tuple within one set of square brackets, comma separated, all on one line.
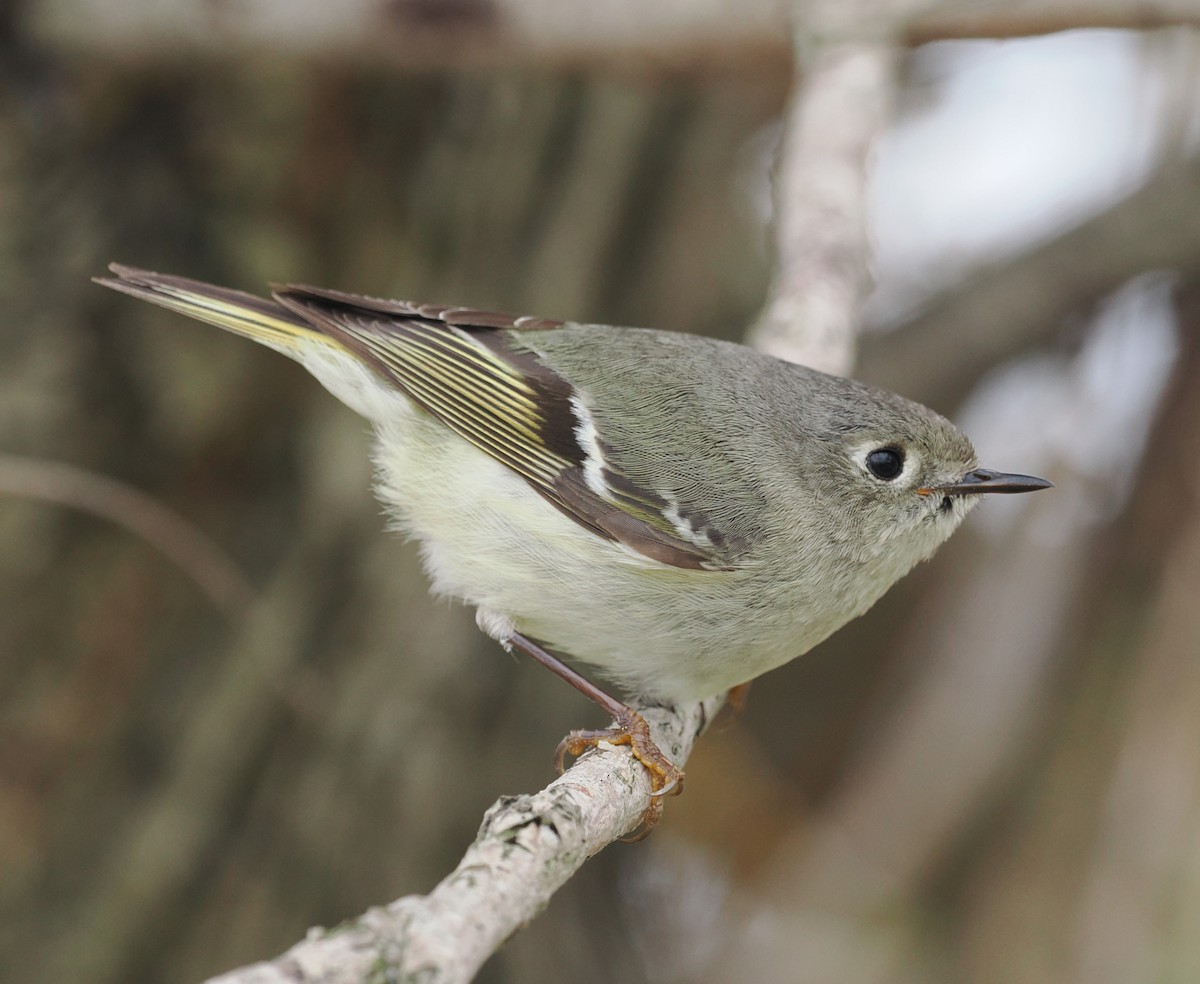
[(630, 729)]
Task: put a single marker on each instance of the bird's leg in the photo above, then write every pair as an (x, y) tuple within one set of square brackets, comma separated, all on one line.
[(630, 728), (738, 696)]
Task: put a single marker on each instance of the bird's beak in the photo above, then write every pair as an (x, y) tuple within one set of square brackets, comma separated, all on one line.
[(985, 480)]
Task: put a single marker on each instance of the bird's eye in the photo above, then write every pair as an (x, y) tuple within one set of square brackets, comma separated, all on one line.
[(885, 463)]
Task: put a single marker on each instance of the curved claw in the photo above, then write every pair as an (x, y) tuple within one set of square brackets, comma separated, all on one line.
[(560, 755), (675, 786), (632, 730), (650, 820)]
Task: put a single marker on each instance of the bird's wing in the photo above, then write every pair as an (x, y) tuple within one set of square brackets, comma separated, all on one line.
[(468, 370)]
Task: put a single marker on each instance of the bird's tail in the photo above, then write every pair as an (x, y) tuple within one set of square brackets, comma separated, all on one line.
[(257, 318)]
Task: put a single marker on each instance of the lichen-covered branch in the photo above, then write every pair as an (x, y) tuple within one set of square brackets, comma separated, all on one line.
[(527, 848)]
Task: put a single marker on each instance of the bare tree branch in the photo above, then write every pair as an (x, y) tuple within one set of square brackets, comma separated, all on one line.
[(527, 848), (840, 105), (435, 33)]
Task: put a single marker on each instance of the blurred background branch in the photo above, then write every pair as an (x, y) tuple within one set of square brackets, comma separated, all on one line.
[(50, 481), (847, 56), (426, 34), (1021, 302)]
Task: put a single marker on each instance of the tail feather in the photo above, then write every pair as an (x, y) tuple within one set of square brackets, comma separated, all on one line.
[(265, 321)]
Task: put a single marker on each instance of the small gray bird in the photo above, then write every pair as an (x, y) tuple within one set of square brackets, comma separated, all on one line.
[(680, 514)]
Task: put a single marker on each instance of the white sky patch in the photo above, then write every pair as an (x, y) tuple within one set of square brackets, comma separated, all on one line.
[(1003, 143), (1018, 139), (1085, 418)]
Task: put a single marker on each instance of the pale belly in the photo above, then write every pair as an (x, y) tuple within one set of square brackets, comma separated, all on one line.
[(657, 631)]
